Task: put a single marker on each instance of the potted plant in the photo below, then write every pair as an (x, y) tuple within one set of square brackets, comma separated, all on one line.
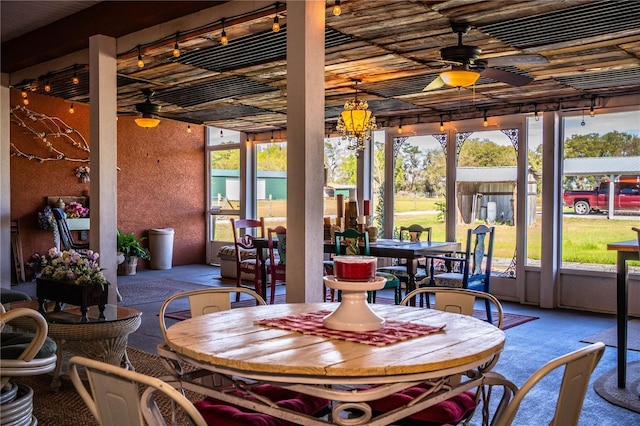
[(130, 247)]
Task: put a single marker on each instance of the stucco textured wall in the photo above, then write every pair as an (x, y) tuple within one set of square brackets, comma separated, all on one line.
[(161, 182)]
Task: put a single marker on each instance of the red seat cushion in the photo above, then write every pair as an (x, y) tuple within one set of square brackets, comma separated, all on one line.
[(451, 411), (220, 413)]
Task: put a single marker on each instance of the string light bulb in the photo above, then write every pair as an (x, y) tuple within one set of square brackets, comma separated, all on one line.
[(188, 128), (221, 133), (276, 20), (592, 110), (47, 86), (176, 48), (140, 61), (400, 127), (337, 10), (24, 94), (485, 123), (582, 123), (75, 79), (441, 124), (223, 37), (535, 112), (25, 100), (271, 140), (71, 109)]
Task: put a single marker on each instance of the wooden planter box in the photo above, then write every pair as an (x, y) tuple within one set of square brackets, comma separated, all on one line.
[(61, 293)]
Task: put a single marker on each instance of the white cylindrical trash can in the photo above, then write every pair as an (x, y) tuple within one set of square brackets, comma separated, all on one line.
[(492, 211), (161, 248)]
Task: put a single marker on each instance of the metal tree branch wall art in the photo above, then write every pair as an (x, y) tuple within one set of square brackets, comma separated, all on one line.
[(52, 133)]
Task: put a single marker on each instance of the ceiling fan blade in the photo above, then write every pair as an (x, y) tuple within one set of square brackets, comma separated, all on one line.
[(520, 59), (510, 78), (435, 84)]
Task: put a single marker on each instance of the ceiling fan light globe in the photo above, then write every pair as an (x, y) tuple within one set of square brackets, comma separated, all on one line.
[(147, 122), (459, 78)]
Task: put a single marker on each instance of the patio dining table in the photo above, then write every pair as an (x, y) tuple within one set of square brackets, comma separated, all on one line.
[(277, 344), (390, 248)]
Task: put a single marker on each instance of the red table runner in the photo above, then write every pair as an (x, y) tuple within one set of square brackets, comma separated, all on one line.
[(311, 323)]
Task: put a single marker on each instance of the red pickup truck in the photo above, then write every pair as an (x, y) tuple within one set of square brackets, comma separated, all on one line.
[(626, 197)]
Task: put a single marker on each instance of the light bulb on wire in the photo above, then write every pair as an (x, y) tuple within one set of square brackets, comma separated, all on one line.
[(176, 48), (337, 10), (485, 123), (47, 86), (441, 124), (223, 37), (276, 21), (140, 61), (75, 79), (188, 128), (71, 109)]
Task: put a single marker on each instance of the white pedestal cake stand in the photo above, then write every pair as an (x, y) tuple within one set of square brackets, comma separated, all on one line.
[(354, 313)]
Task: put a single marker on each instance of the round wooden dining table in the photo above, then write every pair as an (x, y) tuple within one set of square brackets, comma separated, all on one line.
[(235, 344)]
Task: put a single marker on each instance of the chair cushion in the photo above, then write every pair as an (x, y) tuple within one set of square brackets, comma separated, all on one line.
[(449, 279), (450, 411), (14, 344), (219, 413), (392, 280), (230, 251)]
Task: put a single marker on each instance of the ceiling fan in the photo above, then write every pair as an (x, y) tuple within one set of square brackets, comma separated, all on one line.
[(467, 67), (148, 110)]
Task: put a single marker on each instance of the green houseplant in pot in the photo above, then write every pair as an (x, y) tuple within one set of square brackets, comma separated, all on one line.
[(131, 249)]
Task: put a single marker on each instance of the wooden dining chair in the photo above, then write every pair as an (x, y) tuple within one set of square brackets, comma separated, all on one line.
[(413, 232), (66, 237), (469, 269), (244, 230), (352, 246), (277, 257)]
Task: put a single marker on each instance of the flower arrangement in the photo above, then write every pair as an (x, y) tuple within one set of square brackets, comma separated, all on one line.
[(70, 266), (82, 173), (45, 219), (75, 210)]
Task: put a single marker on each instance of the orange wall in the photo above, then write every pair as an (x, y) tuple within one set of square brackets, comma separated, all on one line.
[(161, 182)]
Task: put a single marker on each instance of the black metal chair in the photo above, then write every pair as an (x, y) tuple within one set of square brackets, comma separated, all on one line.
[(66, 238)]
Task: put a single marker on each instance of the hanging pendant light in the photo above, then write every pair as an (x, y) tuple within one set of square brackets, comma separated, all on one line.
[(356, 123)]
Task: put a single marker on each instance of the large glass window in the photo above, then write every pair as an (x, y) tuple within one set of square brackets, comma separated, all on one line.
[(534, 190), (223, 150), (271, 185), (340, 174), (599, 150), (420, 183), (486, 189)]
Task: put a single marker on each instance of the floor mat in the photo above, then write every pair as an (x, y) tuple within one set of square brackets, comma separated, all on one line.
[(610, 336), (153, 291), (607, 387)]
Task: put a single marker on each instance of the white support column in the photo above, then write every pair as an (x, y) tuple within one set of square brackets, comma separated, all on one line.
[(551, 254), (450, 200), (5, 184), (104, 178), (305, 137)]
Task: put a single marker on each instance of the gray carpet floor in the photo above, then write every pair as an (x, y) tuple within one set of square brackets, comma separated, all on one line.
[(527, 348)]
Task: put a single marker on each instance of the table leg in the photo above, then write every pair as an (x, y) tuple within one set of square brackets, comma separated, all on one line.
[(622, 276), (412, 269), (263, 273)]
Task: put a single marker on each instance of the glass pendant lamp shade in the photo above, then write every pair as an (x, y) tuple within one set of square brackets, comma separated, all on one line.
[(147, 122), (459, 77)]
